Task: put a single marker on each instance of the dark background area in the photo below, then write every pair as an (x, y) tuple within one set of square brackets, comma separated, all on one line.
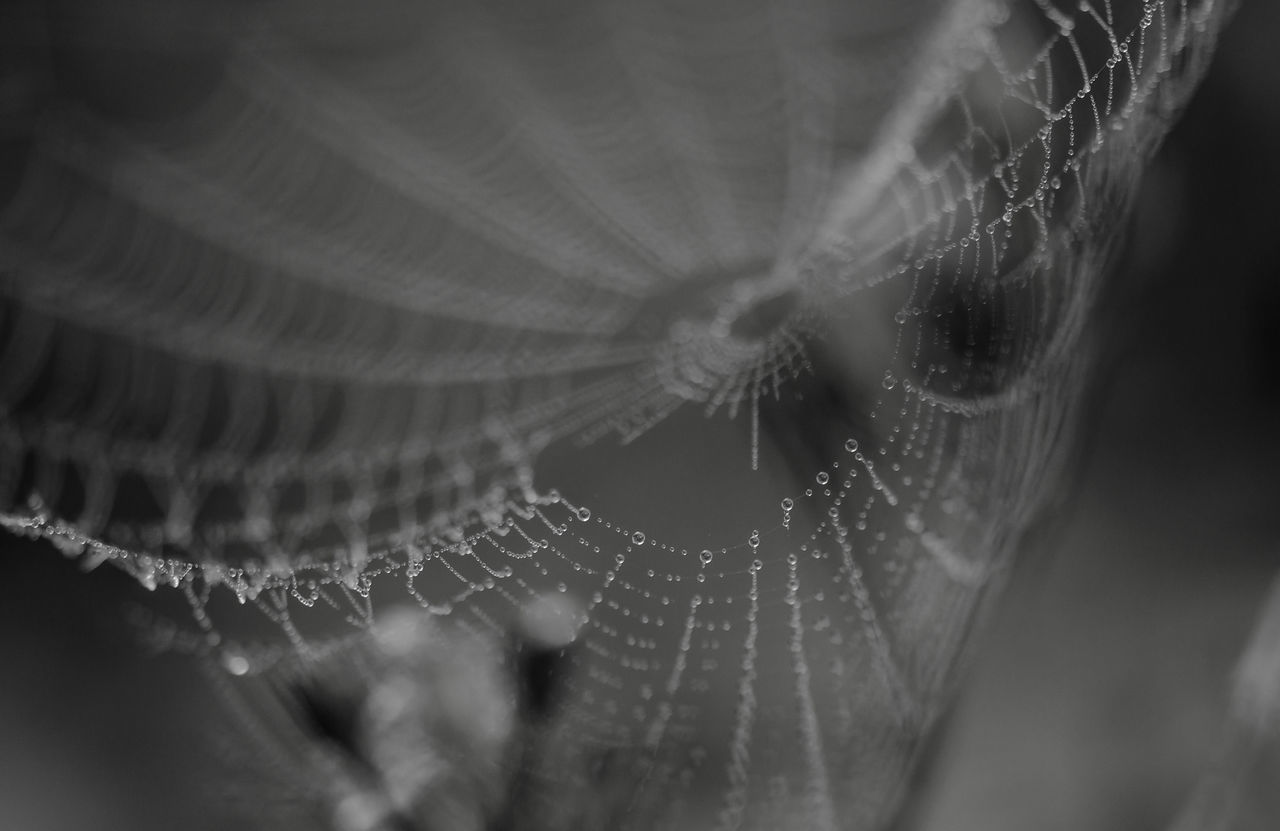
[(1100, 689)]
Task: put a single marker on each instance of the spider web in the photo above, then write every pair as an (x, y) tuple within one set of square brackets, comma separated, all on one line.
[(754, 327)]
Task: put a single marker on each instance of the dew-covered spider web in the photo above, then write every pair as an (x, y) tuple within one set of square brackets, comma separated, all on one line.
[(751, 328)]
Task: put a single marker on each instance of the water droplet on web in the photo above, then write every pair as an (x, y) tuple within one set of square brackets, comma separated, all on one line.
[(584, 514), (822, 478), (788, 503), (235, 663), (638, 538), (889, 381), (706, 556), (851, 445)]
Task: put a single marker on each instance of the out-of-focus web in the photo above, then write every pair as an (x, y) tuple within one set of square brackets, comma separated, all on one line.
[(307, 342)]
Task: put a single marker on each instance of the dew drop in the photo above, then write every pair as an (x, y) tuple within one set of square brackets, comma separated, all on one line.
[(788, 503), (637, 538), (851, 445), (706, 556), (822, 478), (889, 382), (235, 663)]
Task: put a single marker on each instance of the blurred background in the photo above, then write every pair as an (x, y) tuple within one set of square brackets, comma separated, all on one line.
[(1100, 690)]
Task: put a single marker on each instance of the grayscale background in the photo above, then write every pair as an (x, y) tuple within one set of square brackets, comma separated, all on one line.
[(1100, 687)]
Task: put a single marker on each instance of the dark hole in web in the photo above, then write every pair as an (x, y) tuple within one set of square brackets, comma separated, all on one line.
[(45, 381), (26, 478), (135, 501), (972, 337), (972, 326), (70, 497), (764, 317), (341, 491), (220, 504), (217, 408), (327, 418), (269, 426), (325, 540), (291, 497), (818, 411)]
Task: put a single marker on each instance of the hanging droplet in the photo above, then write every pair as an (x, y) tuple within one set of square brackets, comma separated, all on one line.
[(235, 663), (822, 478), (706, 556), (851, 445), (788, 503), (889, 381), (637, 538), (584, 514)]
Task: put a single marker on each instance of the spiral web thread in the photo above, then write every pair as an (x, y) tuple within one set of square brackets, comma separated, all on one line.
[(305, 344)]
